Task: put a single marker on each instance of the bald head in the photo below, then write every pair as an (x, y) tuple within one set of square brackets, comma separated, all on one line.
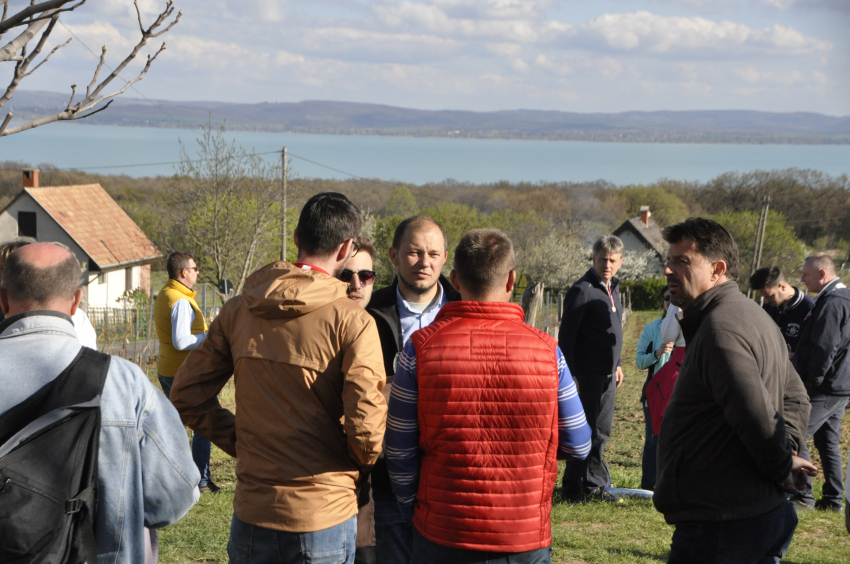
[(40, 276)]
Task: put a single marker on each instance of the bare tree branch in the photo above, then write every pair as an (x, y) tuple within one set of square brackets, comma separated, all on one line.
[(6, 122), (46, 9), (95, 90)]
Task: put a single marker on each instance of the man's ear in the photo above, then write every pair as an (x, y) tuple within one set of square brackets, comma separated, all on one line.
[(4, 302), (719, 268), (78, 297), (393, 252), (453, 279), (295, 237), (509, 287), (344, 250)]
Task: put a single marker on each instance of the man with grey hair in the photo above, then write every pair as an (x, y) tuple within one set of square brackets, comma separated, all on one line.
[(821, 360), (145, 473), (591, 338)]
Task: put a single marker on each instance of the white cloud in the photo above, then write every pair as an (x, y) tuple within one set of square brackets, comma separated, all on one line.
[(653, 34)]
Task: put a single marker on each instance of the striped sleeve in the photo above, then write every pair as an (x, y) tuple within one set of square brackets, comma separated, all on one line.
[(402, 438), (573, 430)]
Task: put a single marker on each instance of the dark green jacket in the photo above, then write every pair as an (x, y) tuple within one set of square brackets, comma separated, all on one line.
[(737, 411)]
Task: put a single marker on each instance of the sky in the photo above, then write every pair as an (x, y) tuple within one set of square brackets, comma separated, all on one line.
[(483, 55)]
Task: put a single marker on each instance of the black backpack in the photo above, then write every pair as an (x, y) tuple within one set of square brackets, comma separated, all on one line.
[(48, 468)]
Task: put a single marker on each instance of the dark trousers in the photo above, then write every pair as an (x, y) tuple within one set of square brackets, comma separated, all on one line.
[(393, 536), (825, 427), (597, 394), (427, 552), (201, 447), (648, 459), (762, 539)]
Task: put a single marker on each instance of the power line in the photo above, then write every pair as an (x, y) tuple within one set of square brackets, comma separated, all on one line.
[(151, 102), (341, 171)]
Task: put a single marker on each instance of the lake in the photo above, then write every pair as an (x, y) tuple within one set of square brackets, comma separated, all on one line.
[(418, 160)]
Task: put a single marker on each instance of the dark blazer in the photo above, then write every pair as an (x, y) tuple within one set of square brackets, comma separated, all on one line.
[(591, 334), (821, 354), (736, 413), (790, 318), (382, 307)]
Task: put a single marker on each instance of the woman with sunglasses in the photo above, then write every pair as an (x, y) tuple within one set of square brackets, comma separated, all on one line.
[(360, 276), (652, 353)]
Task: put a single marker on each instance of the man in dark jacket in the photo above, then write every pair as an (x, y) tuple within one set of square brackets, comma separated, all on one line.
[(821, 360), (785, 304), (737, 416), (410, 303), (591, 338)]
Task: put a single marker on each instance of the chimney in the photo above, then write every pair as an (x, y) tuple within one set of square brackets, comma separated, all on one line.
[(644, 213), (30, 178)]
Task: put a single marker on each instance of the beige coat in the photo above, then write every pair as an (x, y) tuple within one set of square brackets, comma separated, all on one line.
[(310, 415)]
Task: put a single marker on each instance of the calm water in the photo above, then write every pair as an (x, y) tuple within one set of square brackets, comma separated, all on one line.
[(420, 160)]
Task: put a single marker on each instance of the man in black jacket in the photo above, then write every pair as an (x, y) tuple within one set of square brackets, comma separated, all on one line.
[(591, 338), (821, 360), (785, 304), (738, 413), (411, 302)]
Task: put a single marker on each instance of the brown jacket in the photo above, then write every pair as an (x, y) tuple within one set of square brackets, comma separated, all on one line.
[(308, 371)]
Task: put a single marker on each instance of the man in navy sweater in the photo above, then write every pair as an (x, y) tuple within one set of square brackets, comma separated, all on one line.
[(821, 361), (785, 304), (591, 338)]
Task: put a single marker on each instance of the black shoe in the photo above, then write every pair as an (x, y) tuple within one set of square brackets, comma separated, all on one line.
[(211, 487), (601, 494), (826, 505)]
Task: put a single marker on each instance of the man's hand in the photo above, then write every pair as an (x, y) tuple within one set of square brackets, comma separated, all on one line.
[(619, 376), (663, 349), (795, 481)]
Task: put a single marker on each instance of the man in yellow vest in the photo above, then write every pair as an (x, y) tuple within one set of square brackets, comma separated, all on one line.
[(181, 327)]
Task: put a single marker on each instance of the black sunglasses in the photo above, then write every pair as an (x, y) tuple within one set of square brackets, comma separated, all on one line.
[(367, 277)]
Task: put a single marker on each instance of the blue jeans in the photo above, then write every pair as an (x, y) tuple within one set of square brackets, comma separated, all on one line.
[(427, 552), (201, 447), (762, 539), (393, 537), (250, 544)]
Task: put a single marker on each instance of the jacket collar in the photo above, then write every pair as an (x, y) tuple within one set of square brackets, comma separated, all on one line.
[(38, 319), (180, 287), (482, 310), (693, 316), (830, 286), (384, 300)]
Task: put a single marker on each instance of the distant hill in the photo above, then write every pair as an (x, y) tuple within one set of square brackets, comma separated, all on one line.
[(316, 116)]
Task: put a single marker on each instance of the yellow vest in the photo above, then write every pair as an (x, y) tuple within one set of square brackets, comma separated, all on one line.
[(170, 359)]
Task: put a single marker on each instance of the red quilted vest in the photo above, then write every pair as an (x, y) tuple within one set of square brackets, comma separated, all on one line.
[(488, 423)]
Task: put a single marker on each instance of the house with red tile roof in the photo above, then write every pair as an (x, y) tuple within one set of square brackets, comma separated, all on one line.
[(114, 252)]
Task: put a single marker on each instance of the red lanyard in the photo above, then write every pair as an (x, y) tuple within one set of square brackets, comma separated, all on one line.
[(611, 297)]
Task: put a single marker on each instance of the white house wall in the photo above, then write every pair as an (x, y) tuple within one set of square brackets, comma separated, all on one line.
[(46, 228)]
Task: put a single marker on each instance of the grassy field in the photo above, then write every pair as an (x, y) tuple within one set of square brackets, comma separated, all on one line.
[(632, 532)]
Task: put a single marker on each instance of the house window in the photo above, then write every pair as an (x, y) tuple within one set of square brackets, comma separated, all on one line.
[(26, 225)]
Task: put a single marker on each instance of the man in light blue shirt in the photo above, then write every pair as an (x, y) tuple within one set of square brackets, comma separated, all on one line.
[(414, 316)]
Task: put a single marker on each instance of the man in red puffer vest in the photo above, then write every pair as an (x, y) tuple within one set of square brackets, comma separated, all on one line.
[(482, 407)]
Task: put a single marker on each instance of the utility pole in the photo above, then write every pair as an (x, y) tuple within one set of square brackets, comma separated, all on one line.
[(759, 243), (283, 207)]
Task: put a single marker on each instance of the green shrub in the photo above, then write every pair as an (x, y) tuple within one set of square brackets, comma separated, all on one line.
[(646, 293)]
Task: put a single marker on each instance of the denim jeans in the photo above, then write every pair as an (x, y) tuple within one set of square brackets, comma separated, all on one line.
[(201, 447), (427, 552), (393, 537), (762, 539), (250, 544), (650, 449), (825, 427)]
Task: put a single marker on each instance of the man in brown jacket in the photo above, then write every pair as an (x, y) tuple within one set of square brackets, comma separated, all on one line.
[(310, 414), (736, 418)]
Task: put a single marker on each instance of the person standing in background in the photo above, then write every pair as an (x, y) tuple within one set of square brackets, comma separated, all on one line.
[(652, 353), (784, 303), (180, 327), (591, 338)]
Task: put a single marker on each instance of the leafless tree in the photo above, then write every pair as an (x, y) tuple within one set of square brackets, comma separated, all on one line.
[(34, 24)]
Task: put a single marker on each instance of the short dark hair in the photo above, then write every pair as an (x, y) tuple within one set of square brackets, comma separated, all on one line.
[(364, 245), (766, 277), (712, 240), (176, 262), (327, 221), (410, 222), (25, 282), (483, 258)]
